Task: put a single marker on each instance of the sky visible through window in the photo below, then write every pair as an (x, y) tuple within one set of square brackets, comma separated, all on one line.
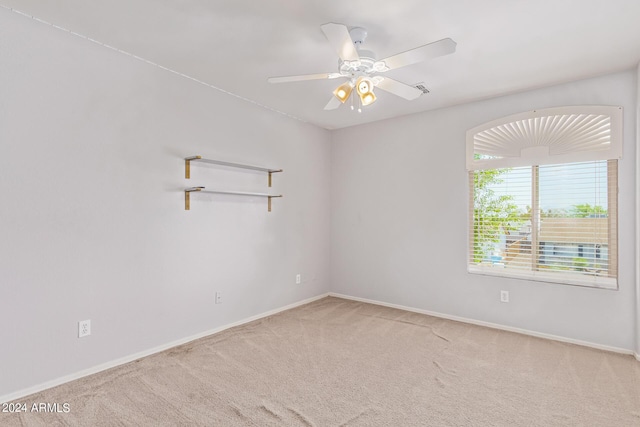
[(561, 187)]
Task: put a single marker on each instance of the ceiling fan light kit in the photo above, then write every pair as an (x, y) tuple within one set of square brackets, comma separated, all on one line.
[(343, 91), (364, 86), (368, 98), (360, 66)]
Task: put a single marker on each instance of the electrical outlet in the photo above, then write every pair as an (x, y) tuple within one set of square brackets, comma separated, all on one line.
[(298, 279), (504, 296), (218, 298), (84, 328)]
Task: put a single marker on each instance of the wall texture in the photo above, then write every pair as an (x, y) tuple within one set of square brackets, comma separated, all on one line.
[(92, 214), (399, 220)]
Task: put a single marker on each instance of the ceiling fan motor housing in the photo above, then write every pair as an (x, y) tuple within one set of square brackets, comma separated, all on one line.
[(365, 66)]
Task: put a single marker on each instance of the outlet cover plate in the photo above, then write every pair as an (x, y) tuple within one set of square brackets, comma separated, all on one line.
[(504, 296), (84, 328)]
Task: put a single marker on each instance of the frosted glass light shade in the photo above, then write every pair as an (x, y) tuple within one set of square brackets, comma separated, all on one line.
[(364, 85), (368, 98), (343, 91)]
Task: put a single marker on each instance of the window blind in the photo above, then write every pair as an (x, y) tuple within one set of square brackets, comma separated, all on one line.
[(546, 222)]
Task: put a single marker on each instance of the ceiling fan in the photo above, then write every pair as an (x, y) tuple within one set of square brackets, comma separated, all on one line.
[(361, 67)]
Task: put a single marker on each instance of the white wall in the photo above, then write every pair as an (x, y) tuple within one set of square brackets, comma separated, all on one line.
[(92, 215), (399, 220)]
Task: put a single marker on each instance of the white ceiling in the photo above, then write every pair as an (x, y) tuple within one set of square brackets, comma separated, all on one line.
[(504, 46)]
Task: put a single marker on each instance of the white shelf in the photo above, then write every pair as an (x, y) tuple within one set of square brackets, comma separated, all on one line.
[(188, 191), (188, 160), (187, 175)]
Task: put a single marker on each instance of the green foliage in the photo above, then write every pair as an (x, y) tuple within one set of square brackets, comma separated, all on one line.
[(554, 213), (494, 215), (585, 210), (580, 264)]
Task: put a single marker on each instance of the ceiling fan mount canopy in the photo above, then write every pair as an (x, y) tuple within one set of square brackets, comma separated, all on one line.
[(361, 66), (358, 35)]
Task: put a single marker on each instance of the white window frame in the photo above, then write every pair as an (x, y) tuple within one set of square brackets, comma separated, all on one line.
[(558, 135)]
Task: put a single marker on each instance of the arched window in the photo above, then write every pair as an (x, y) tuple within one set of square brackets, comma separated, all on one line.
[(543, 195)]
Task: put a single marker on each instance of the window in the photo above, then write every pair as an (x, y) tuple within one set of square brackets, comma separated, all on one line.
[(543, 196)]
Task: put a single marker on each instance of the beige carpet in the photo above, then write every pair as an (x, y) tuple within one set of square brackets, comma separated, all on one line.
[(342, 363)]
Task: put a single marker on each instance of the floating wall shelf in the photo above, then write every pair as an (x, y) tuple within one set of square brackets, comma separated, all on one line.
[(188, 191), (188, 160)]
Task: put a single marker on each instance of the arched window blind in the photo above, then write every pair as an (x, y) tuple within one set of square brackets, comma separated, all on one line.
[(543, 195)]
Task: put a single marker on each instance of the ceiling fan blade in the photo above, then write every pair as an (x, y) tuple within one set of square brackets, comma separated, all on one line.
[(333, 103), (300, 78), (340, 40), (398, 88), (422, 53)]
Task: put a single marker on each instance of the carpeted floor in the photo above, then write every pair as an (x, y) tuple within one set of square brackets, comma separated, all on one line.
[(343, 363)]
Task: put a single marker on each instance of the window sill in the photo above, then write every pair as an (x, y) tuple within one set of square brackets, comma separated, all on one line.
[(599, 282)]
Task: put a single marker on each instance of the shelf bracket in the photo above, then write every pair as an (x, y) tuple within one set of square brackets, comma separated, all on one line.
[(187, 165), (270, 172), (269, 203), (187, 198)]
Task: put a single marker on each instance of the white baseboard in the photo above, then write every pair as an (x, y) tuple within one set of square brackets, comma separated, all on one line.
[(121, 361), (492, 325)]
